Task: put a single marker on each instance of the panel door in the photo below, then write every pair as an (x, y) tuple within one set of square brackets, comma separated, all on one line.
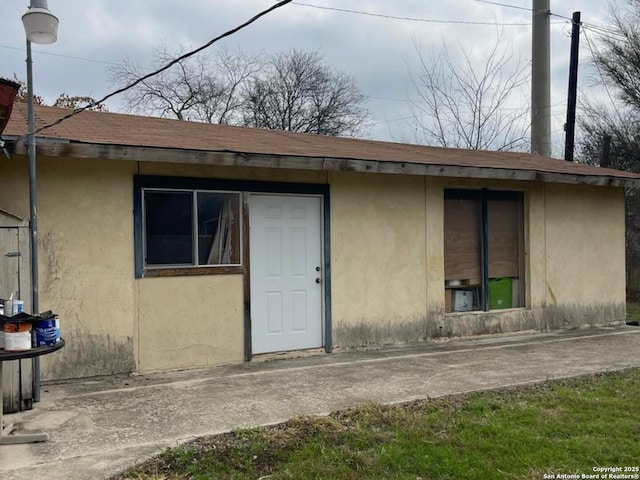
[(286, 277)]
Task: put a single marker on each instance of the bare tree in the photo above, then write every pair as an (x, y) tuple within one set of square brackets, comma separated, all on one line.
[(293, 91), (620, 123), (200, 88), (298, 92), (617, 65), (467, 106), (618, 57)]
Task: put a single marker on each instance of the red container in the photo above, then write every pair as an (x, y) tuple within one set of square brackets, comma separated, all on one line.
[(8, 92)]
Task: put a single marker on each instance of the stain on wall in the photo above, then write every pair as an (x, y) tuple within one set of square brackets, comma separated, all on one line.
[(570, 316), (365, 333), (435, 325), (89, 355)]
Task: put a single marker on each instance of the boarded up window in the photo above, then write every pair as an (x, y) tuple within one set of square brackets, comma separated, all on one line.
[(462, 226), (503, 237), (493, 239)]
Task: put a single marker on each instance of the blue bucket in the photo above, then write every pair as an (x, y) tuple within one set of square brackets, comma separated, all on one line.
[(47, 332)]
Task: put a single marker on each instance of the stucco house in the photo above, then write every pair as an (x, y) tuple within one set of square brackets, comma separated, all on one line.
[(168, 245)]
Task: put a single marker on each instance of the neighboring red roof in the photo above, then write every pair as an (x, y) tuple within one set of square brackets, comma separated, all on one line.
[(131, 130)]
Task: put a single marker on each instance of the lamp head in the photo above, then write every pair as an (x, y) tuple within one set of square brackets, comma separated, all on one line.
[(40, 25)]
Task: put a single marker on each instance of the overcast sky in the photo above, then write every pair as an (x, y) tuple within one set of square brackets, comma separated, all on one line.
[(378, 52)]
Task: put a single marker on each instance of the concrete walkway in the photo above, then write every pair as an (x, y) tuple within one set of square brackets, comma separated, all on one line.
[(99, 427)]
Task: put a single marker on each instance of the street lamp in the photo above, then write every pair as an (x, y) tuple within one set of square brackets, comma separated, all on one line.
[(41, 27)]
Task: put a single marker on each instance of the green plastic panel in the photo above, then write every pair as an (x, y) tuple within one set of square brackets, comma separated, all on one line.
[(500, 293)]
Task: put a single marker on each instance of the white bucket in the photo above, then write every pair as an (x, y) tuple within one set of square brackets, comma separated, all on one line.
[(17, 336), (13, 307)]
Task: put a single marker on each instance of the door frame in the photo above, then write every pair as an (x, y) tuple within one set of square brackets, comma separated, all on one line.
[(294, 189)]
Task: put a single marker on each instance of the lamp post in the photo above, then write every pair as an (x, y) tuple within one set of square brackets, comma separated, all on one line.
[(41, 27)]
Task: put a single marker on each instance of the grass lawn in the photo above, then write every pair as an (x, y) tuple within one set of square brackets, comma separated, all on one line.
[(633, 312), (566, 426)]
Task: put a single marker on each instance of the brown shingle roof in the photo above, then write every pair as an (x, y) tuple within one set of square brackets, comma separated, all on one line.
[(137, 131)]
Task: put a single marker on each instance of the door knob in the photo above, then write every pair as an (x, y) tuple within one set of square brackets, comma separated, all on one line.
[(317, 269), (317, 280)]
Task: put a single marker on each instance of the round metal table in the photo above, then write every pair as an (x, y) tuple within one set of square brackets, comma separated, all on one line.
[(5, 430)]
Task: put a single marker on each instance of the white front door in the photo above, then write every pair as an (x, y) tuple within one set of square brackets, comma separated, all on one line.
[(286, 276)]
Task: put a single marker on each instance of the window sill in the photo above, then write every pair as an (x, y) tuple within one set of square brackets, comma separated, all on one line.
[(190, 271), (488, 312)]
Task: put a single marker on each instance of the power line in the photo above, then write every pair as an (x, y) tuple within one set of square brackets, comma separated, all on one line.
[(602, 33), (505, 5), (517, 7), (596, 32), (162, 69), (604, 83), (410, 19), (391, 99), (606, 30), (387, 121), (597, 29), (62, 56)]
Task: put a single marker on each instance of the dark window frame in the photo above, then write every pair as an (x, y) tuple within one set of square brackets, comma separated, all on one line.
[(484, 195), (193, 229)]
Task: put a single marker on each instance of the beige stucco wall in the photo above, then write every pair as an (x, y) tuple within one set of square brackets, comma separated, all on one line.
[(85, 234), (378, 258), (14, 194), (585, 254), (387, 245), (190, 322), (434, 248)]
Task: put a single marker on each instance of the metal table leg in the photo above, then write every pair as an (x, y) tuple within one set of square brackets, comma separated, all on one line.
[(6, 438)]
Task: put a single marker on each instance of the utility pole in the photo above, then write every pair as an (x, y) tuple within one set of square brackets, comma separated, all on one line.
[(570, 125), (541, 79)]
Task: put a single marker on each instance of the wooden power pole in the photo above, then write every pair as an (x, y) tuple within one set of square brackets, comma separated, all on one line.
[(570, 125)]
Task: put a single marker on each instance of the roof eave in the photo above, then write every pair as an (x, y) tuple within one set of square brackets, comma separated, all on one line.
[(65, 148)]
